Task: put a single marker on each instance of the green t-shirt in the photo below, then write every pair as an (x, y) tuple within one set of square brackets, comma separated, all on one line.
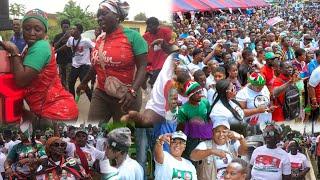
[(139, 45), (188, 111), (21, 151), (38, 55)]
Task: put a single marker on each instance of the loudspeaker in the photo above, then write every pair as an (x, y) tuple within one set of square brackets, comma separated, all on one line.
[(5, 23), (4, 9)]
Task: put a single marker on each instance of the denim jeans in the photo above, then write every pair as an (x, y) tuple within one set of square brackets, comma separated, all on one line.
[(144, 141)]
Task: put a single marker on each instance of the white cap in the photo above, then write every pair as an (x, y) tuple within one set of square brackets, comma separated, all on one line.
[(179, 135), (221, 123)]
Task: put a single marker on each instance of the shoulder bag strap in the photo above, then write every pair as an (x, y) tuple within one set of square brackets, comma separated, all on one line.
[(74, 47)]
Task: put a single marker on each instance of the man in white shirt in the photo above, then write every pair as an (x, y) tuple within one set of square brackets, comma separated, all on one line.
[(196, 63), (172, 165), (270, 161), (80, 148), (81, 50), (119, 142)]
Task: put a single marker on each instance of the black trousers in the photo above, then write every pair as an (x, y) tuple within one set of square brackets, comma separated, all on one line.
[(76, 73)]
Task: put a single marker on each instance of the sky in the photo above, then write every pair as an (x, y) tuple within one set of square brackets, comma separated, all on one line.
[(158, 8)]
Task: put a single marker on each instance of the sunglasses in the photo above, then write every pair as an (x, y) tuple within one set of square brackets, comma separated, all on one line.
[(178, 142), (233, 89), (269, 133), (63, 145)]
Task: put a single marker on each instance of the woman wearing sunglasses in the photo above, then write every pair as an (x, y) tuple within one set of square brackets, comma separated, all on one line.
[(58, 166), (270, 161), (254, 99), (224, 107)]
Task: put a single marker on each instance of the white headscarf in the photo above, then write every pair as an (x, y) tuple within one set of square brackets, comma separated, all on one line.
[(119, 7)]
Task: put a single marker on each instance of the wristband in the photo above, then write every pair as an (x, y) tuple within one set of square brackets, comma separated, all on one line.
[(132, 92), (15, 55)]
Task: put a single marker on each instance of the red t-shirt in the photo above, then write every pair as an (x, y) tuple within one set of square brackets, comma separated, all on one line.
[(268, 73), (277, 114), (119, 51), (156, 58)]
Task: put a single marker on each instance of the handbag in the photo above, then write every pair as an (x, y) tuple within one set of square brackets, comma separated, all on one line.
[(112, 85)]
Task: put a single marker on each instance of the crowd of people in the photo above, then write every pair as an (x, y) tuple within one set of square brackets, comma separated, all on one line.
[(216, 79)]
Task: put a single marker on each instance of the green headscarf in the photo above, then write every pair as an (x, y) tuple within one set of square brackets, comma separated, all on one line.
[(39, 15)]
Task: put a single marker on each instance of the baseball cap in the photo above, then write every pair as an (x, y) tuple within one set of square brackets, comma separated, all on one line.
[(179, 135), (221, 123), (269, 55)]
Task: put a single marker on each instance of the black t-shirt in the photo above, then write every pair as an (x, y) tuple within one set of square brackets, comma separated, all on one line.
[(63, 56)]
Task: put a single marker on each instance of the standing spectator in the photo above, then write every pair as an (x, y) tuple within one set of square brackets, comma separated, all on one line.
[(245, 67), (157, 37), (299, 163), (17, 37), (287, 53), (119, 142), (267, 70), (270, 161), (197, 61), (223, 146), (64, 56), (81, 51), (237, 170), (84, 153), (281, 84), (120, 60), (172, 165), (254, 99), (193, 117), (314, 63)]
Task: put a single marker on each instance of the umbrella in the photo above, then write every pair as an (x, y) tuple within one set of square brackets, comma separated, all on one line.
[(274, 21)]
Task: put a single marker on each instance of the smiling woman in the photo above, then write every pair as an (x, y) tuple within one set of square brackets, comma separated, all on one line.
[(35, 70)]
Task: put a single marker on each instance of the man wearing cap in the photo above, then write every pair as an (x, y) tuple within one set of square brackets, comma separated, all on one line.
[(184, 56), (270, 161), (267, 70), (119, 142), (85, 154), (172, 165), (219, 152), (193, 117)]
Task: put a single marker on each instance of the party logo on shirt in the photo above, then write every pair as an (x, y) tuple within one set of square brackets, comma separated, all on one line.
[(181, 175), (295, 168), (267, 163)]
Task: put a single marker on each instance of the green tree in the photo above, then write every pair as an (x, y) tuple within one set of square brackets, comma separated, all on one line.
[(140, 17), (17, 10), (76, 14)]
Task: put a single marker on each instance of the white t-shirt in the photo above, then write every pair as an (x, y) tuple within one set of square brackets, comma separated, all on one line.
[(131, 170), (221, 113), (2, 160), (185, 59), (220, 163), (269, 163), (92, 154), (101, 143), (254, 100), (298, 162), (194, 67), (243, 41), (210, 81), (211, 93), (82, 53), (315, 77), (157, 100), (174, 169)]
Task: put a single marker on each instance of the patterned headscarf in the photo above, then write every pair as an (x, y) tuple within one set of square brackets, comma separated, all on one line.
[(39, 15), (118, 7), (256, 79)]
